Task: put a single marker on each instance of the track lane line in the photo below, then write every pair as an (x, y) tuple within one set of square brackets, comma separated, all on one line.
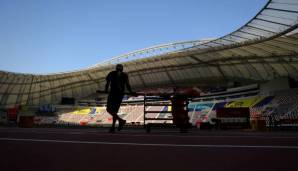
[(149, 144)]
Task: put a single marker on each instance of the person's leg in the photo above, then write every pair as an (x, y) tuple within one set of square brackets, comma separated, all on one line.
[(118, 101), (112, 129), (114, 103), (122, 122), (110, 110), (114, 117)]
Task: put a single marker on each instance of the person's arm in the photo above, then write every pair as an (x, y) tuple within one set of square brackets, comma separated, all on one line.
[(108, 81)]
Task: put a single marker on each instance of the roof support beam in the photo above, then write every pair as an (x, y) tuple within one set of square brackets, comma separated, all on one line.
[(241, 37), (8, 92), (142, 80), (283, 10), (201, 61), (273, 22), (30, 89), (253, 34), (92, 79), (261, 29), (170, 77), (259, 49), (289, 64), (253, 70), (216, 42)]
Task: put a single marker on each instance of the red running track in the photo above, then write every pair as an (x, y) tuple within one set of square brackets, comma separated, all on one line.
[(95, 149)]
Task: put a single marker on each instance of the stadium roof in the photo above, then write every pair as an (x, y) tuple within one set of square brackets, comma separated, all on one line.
[(264, 48)]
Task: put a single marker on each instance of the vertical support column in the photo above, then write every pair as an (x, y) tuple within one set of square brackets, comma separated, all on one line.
[(30, 95), (144, 111)]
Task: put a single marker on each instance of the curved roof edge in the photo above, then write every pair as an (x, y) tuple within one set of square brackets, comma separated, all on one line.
[(275, 19)]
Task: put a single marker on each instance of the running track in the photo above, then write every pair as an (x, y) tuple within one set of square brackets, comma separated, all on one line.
[(134, 150)]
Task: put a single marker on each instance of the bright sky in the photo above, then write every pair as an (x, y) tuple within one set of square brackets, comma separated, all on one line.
[(47, 36)]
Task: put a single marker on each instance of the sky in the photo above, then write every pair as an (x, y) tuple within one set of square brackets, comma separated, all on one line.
[(49, 36)]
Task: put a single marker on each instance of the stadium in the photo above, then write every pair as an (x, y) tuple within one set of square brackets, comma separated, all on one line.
[(245, 105)]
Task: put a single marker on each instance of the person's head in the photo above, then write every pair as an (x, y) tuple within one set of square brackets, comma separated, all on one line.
[(119, 67)]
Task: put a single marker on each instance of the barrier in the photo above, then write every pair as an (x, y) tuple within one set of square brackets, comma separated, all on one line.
[(258, 124), (233, 117), (26, 121)]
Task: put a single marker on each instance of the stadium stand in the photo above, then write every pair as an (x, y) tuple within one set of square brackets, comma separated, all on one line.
[(277, 110)]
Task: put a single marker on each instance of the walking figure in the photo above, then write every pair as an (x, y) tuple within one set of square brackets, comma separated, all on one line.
[(117, 81)]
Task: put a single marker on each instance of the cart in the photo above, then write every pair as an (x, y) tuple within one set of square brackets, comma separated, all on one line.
[(175, 117)]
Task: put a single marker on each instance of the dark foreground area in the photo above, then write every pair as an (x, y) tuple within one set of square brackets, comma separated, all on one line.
[(133, 149)]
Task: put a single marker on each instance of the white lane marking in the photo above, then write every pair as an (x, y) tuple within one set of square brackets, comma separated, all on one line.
[(149, 144), (139, 133)]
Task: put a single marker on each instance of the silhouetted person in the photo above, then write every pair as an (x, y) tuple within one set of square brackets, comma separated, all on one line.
[(117, 81)]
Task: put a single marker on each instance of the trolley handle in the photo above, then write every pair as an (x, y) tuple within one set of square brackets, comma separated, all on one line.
[(129, 94)]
